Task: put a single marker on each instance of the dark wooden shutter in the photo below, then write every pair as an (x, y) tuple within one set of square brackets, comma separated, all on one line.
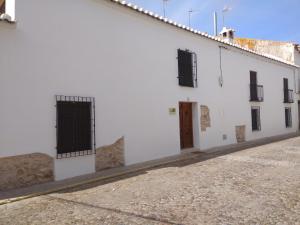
[(253, 86), (185, 68), (286, 117), (255, 114), (286, 89), (83, 126), (290, 117), (254, 119), (65, 127), (285, 83), (73, 126), (253, 77)]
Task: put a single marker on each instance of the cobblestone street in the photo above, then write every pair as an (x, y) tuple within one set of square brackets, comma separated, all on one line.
[(259, 185)]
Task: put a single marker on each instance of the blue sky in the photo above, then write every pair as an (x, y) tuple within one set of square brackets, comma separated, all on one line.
[(261, 19)]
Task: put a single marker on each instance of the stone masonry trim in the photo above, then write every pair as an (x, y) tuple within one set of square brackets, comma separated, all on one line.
[(205, 117), (110, 156), (25, 170)]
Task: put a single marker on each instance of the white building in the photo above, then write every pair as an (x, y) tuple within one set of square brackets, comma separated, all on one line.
[(151, 88)]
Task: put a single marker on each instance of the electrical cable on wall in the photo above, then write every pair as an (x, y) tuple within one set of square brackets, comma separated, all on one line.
[(221, 78), (221, 71)]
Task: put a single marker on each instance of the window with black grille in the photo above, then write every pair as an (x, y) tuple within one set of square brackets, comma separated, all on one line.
[(187, 68), (288, 117), (255, 115), (75, 126)]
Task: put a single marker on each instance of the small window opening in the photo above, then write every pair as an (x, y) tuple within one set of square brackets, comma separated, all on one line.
[(75, 126), (255, 114), (288, 117)]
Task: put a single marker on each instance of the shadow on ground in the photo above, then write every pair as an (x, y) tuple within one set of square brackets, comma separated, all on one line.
[(197, 157)]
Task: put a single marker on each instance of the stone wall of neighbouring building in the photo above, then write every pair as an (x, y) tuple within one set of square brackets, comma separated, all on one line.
[(110, 156), (283, 50), (25, 170)]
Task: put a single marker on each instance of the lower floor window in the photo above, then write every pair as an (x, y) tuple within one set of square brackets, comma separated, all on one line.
[(255, 114), (288, 117), (75, 126)]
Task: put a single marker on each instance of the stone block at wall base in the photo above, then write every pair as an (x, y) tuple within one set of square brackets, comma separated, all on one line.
[(240, 132), (110, 156), (25, 170)]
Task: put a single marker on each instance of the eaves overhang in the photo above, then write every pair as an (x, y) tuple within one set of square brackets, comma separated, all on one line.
[(194, 31)]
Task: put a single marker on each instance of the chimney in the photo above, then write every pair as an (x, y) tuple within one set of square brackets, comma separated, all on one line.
[(227, 34)]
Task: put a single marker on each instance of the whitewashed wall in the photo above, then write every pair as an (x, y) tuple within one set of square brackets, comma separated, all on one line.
[(128, 63), (297, 74)]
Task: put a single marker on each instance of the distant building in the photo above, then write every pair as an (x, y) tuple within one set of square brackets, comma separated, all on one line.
[(284, 50)]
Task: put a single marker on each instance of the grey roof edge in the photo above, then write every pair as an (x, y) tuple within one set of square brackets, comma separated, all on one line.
[(197, 32)]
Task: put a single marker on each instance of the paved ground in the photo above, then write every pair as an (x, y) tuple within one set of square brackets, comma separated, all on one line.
[(256, 186)]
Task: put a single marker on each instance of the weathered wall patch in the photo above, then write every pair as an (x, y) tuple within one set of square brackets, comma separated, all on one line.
[(25, 170), (205, 117), (110, 156), (240, 133)]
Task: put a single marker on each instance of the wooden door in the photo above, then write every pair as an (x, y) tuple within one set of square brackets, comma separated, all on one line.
[(2, 6), (186, 125)]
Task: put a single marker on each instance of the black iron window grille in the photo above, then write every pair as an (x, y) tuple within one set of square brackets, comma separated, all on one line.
[(255, 115), (75, 126), (187, 68), (288, 94), (288, 117)]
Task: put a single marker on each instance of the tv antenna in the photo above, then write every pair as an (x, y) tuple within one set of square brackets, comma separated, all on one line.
[(225, 10), (190, 12)]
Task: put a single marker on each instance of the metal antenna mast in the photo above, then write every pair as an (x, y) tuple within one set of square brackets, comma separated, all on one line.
[(164, 7), (190, 12)]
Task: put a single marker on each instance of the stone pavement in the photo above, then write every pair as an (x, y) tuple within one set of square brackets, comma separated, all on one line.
[(258, 185)]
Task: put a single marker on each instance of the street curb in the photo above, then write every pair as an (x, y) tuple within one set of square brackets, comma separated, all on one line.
[(158, 163), (101, 178)]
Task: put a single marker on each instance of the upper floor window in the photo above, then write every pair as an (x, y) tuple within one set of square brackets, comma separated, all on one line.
[(187, 68), (7, 10), (287, 93), (256, 91)]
